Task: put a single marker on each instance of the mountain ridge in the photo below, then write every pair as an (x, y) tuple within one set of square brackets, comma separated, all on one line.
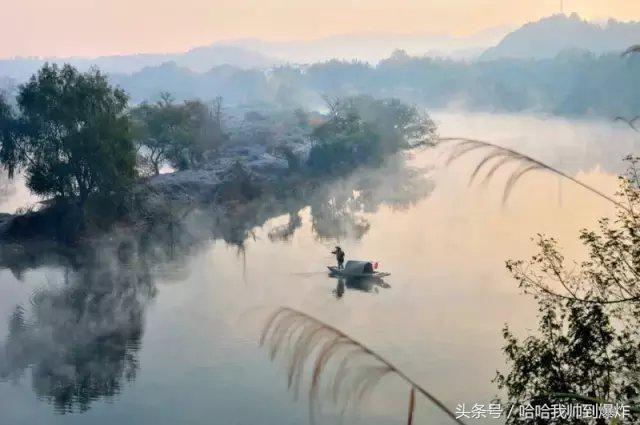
[(549, 36), (257, 53), (198, 59)]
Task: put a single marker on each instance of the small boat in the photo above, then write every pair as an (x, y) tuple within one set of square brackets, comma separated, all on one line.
[(357, 270)]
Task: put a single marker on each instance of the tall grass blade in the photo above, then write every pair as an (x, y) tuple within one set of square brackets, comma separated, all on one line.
[(412, 405), (630, 122), (303, 339), (464, 145), (631, 50)]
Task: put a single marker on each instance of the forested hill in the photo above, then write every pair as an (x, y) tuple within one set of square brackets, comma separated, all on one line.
[(570, 84), (549, 36), (559, 65)]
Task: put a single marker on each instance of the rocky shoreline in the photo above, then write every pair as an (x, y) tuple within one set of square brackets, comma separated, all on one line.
[(235, 174), (202, 184)]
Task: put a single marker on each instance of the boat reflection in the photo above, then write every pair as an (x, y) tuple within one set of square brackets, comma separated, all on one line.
[(359, 284)]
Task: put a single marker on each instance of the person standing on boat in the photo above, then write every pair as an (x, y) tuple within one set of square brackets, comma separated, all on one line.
[(339, 253)]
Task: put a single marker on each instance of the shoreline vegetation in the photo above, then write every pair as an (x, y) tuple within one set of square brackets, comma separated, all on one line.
[(95, 161), (585, 348)]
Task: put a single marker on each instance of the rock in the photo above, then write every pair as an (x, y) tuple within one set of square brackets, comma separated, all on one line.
[(188, 185), (202, 185), (268, 166)]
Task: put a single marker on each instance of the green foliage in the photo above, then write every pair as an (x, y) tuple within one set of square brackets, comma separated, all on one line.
[(70, 135), (363, 130), (179, 134), (203, 132), (8, 130), (344, 142), (578, 350), (587, 345), (610, 275), (570, 84), (156, 128)]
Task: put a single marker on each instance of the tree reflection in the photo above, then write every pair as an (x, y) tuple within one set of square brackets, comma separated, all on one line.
[(335, 216), (80, 340), (338, 208), (286, 231)]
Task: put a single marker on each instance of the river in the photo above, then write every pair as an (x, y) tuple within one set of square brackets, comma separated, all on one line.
[(179, 345)]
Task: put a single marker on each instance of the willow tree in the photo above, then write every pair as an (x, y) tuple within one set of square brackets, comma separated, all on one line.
[(68, 134)]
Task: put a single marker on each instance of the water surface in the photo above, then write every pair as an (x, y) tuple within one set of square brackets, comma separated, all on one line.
[(146, 333)]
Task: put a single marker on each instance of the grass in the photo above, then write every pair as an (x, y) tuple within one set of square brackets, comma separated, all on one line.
[(300, 339), (496, 157)]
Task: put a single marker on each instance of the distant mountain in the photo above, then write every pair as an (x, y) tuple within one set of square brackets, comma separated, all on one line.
[(550, 36), (236, 85), (202, 59), (253, 53), (373, 47), (199, 59)]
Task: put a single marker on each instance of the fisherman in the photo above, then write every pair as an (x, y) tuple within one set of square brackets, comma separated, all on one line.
[(339, 253)]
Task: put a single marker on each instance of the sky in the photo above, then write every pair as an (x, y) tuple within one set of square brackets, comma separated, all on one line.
[(103, 27)]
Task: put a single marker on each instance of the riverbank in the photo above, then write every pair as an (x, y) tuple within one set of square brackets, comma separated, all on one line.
[(262, 154), (236, 175)]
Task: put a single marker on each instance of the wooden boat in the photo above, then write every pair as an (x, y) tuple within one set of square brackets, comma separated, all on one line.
[(357, 270)]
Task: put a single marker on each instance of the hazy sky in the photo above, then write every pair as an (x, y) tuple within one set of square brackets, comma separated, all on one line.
[(99, 27)]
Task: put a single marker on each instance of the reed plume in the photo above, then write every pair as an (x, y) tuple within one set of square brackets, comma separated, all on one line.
[(302, 339), (630, 122), (631, 50), (496, 157)]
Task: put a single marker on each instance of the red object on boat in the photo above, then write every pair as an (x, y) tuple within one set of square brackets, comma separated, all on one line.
[(375, 265)]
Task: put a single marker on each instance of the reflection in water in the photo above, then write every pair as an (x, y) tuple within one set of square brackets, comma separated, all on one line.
[(337, 209), (339, 291), (80, 340), (362, 285), (446, 254), (335, 217), (285, 232)]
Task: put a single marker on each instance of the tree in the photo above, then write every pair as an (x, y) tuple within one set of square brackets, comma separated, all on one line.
[(70, 134), (363, 130), (79, 340), (203, 133), (343, 142), (156, 129), (398, 124), (611, 274), (587, 346), (579, 355), (179, 134)]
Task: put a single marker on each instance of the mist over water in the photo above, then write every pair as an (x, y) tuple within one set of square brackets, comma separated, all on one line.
[(164, 328)]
